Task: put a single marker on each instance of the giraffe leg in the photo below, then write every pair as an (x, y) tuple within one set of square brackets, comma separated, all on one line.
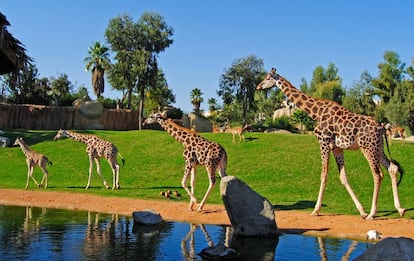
[(45, 177), (393, 169), (115, 174), (340, 161), (324, 174), (90, 172), (209, 189), (28, 176), (234, 138), (31, 175), (377, 175), (189, 170), (98, 169), (116, 180)]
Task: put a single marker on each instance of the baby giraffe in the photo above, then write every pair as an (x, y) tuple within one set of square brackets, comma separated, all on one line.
[(33, 159)]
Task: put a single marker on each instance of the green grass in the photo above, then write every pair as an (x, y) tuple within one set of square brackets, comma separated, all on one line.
[(284, 168)]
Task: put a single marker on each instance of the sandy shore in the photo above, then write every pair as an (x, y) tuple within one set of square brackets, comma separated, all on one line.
[(291, 221)]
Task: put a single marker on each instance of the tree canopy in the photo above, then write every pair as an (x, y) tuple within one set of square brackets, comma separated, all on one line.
[(238, 82), (136, 46)]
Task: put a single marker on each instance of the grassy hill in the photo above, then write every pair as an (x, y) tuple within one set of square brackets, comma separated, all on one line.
[(285, 168)]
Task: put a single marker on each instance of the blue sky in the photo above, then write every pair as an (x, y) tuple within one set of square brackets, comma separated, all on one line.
[(293, 36)]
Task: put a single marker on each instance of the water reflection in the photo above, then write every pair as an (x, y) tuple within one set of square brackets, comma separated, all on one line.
[(30, 233)]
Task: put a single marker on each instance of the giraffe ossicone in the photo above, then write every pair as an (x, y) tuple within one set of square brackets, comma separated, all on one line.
[(197, 151), (338, 129), (34, 159), (97, 148)]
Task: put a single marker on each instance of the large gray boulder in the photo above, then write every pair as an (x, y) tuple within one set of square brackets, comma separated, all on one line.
[(398, 249), (250, 214)]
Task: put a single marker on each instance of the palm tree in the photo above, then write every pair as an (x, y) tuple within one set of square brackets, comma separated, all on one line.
[(97, 62), (212, 104), (196, 99), (13, 55)]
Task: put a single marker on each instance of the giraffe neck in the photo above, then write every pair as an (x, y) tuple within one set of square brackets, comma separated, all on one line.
[(300, 99), (179, 133), (25, 148), (84, 138)]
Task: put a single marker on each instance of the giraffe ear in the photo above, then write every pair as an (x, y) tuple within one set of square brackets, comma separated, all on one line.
[(163, 114)]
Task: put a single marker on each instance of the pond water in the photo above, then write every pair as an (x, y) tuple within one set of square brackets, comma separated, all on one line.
[(31, 233)]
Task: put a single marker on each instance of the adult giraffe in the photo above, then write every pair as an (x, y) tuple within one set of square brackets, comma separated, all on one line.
[(97, 148), (338, 129), (197, 151)]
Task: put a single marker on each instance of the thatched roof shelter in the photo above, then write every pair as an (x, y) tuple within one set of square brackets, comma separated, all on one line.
[(12, 52)]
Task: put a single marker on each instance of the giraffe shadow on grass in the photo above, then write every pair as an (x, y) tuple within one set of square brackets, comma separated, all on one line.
[(299, 205), (387, 213)]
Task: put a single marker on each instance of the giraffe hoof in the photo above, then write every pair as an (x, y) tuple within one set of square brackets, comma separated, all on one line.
[(369, 217), (401, 212), (315, 213)]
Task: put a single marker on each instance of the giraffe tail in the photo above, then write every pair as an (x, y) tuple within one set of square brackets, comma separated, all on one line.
[(49, 161), (122, 159), (400, 170)]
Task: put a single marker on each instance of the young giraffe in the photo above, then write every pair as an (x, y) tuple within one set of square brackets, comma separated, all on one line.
[(239, 131), (33, 159), (340, 129), (197, 151), (97, 148)]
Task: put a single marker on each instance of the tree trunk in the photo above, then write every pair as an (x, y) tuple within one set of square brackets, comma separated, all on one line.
[(141, 108), (129, 98)]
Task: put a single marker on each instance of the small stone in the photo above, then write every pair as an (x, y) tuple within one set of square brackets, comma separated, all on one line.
[(147, 217)]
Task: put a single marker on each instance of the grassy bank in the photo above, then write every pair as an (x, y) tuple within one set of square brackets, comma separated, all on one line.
[(285, 168)]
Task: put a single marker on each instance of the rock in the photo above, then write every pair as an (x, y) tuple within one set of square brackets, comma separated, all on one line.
[(196, 121), (250, 214), (286, 111), (4, 142), (401, 249), (91, 109), (219, 252), (147, 217)]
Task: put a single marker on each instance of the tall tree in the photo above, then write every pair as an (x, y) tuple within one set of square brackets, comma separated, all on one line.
[(326, 84), (240, 80), (97, 62), (212, 104), (360, 97), (61, 89), (160, 95), (391, 75), (137, 46), (196, 96)]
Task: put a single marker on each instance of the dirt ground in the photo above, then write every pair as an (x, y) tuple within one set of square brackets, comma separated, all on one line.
[(290, 221)]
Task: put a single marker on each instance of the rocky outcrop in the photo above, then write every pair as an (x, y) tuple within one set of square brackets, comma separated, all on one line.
[(197, 122), (86, 115), (401, 249), (250, 214)]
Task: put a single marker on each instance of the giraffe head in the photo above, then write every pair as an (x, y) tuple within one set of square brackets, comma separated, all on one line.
[(269, 81), (18, 141), (61, 134), (153, 118)]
